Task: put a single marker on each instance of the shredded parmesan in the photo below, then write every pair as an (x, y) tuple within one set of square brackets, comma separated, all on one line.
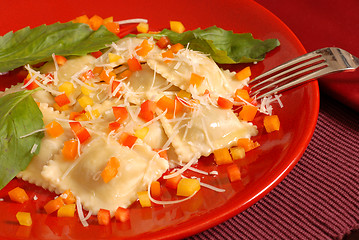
[(33, 149), (80, 213), (135, 20), (32, 133)]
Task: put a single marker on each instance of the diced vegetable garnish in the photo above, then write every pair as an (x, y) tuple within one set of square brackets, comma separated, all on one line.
[(62, 99), (243, 74), (68, 197), (175, 48), (95, 22), (224, 103), (113, 58), (248, 113), (163, 42), (61, 60), (237, 152), (66, 210), (127, 139), (173, 182), (104, 217), (142, 27), (168, 56), (67, 87), (54, 205), (113, 27), (187, 187), (24, 218), (144, 199), (222, 156), (156, 189), (30, 86), (70, 150), (247, 144), (54, 129), (134, 65), (147, 110), (120, 114), (234, 173), (142, 132), (110, 170), (81, 132), (18, 195), (122, 214), (177, 26), (271, 123), (196, 80), (242, 94), (107, 75), (144, 48)]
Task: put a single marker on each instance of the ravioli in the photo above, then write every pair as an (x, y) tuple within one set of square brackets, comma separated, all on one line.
[(139, 166), (205, 129)]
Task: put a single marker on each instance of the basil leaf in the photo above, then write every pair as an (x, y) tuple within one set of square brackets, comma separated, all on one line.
[(19, 115), (38, 44), (225, 47)]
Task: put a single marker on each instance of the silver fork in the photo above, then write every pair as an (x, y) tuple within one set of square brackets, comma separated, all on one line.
[(302, 69)]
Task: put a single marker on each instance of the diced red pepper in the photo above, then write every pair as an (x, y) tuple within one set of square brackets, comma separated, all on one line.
[(120, 113), (96, 54), (163, 42), (122, 214), (173, 182), (103, 217), (81, 132), (127, 139), (60, 60), (32, 85), (62, 100), (147, 110), (134, 65), (224, 103)]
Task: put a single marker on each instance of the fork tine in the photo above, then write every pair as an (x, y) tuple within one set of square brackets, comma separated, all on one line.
[(286, 65), (314, 68), (311, 61), (294, 83)]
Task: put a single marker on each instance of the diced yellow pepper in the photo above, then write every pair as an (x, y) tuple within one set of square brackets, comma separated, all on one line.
[(113, 57), (187, 187), (107, 20), (63, 108), (142, 27), (237, 153), (24, 218), (84, 101), (93, 115), (177, 26), (144, 199), (184, 94), (142, 132), (66, 210), (67, 87)]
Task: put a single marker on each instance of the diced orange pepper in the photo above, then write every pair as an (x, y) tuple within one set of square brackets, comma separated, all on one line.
[(74, 115), (68, 197), (67, 210), (147, 110), (122, 214), (70, 150), (242, 94), (87, 75), (96, 54), (271, 123), (32, 85), (163, 42), (224, 103), (234, 173), (247, 144), (106, 75), (81, 19), (111, 169), (61, 60), (162, 153), (173, 106), (187, 187), (62, 100), (18, 195), (173, 182), (54, 129), (248, 113), (95, 22), (134, 65), (222, 156), (81, 132), (125, 74), (114, 126), (175, 48), (144, 48), (168, 56), (144, 199), (196, 80), (97, 70), (24, 218), (113, 27), (107, 20), (103, 217), (54, 205), (155, 189), (120, 113), (243, 74), (127, 139)]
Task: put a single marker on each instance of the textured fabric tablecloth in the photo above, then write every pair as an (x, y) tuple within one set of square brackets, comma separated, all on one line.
[(319, 199)]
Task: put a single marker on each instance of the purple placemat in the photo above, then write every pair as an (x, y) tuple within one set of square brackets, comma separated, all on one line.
[(319, 199)]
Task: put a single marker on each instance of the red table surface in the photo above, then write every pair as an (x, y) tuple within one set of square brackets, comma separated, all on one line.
[(325, 23)]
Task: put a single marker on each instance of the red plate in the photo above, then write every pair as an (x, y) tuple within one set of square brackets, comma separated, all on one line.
[(267, 165)]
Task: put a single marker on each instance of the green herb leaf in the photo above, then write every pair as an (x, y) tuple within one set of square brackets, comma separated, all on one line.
[(38, 44), (19, 115), (223, 46)]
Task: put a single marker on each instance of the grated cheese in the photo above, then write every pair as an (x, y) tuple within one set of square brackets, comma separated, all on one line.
[(32, 133), (80, 213), (135, 20)]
